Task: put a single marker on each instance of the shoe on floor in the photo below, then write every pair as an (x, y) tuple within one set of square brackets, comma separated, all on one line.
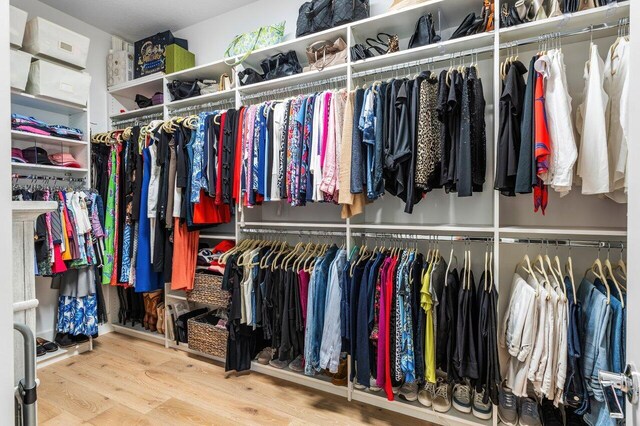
[(425, 396), (265, 356), (47, 345), (297, 364), (442, 398), (409, 391), (64, 340), (462, 397), (507, 407), (529, 413), (481, 409), (278, 364)]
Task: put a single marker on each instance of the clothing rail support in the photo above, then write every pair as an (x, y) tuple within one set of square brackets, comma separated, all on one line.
[(116, 122), (425, 237), (300, 86), (301, 232), (226, 102), (566, 243)]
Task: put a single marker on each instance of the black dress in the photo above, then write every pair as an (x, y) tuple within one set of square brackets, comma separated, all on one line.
[(526, 175)]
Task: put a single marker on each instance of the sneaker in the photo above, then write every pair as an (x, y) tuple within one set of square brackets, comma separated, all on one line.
[(482, 410), (358, 385), (507, 407), (297, 364), (425, 396), (409, 391), (373, 387), (278, 364), (442, 397), (529, 414), (265, 356), (462, 397), (552, 416)]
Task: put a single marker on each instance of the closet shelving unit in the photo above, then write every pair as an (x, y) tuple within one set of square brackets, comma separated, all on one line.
[(487, 218), (53, 111)]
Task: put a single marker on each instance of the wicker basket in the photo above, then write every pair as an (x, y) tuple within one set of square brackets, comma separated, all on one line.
[(207, 289), (207, 338)]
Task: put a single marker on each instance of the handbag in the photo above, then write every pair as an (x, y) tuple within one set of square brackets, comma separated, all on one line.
[(381, 47), (322, 54), (207, 86), (319, 15), (249, 76), (509, 16), (243, 44), (425, 32), (142, 101), (157, 99), (183, 89), (359, 51), (470, 25), (225, 82), (281, 65)]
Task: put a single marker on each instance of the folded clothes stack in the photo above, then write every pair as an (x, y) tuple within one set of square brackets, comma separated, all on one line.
[(38, 155), (38, 127)]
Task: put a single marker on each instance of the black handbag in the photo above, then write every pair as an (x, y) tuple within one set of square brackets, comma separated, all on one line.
[(359, 51), (469, 26), (181, 329), (183, 89), (425, 32), (345, 11), (509, 16), (319, 15), (143, 102), (281, 65), (249, 76)]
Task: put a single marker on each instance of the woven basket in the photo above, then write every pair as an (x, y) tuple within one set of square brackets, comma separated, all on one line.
[(207, 289), (207, 338)]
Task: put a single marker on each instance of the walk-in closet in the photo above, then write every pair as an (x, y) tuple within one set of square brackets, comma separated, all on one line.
[(321, 212)]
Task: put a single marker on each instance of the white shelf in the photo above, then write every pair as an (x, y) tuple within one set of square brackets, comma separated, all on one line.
[(175, 296), (415, 409), (26, 167), (461, 229), (145, 86), (559, 231), (296, 79), (45, 103), (319, 382), (199, 100), (62, 353), (217, 236), (138, 113), (139, 332), (46, 140), (210, 71), (567, 22), (340, 226)]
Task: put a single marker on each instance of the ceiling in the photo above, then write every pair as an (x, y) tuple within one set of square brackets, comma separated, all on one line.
[(133, 20)]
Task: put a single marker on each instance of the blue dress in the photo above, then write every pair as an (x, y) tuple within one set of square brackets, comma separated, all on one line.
[(146, 279)]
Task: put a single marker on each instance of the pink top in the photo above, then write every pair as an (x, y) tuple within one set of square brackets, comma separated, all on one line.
[(382, 325), (329, 176), (325, 127)]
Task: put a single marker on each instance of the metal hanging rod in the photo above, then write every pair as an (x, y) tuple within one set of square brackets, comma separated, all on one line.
[(299, 232), (426, 61), (116, 122), (225, 102), (565, 243), (48, 178), (296, 87), (555, 35), (399, 236)]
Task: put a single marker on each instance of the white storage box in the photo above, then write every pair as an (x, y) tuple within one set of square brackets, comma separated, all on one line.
[(46, 38), (119, 67), (56, 81), (20, 65), (17, 21)]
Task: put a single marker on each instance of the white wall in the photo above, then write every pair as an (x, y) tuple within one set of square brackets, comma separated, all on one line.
[(209, 39), (96, 65)]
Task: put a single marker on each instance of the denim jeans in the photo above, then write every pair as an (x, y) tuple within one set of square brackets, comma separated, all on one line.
[(330, 345)]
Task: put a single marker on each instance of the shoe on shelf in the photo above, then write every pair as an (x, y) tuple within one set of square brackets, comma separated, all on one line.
[(373, 387), (40, 350), (278, 364), (529, 413), (64, 340), (425, 396), (507, 406), (80, 338), (409, 391), (265, 356), (552, 416), (462, 397), (340, 378), (297, 364), (46, 345), (482, 410), (442, 398)]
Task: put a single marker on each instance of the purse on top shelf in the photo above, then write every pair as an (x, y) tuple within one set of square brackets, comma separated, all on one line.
[(281, 65), (424, 33), (322, 54)]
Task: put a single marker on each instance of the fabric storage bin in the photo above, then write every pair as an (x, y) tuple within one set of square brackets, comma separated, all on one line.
[(17, 22), (119, 67), (43, 37), (207, 289), (56, 81), (20, 64), (207, 338), (178, 59)]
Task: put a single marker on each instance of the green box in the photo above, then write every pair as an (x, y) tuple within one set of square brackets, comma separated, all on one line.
[(178, 59)]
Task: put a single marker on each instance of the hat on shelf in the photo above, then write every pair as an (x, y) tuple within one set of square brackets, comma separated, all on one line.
[(36, 155), (64, 159), (16, 156)]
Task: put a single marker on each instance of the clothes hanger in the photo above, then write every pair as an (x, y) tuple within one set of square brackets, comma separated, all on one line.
[(597, 270), (609, 271), (525, 264)]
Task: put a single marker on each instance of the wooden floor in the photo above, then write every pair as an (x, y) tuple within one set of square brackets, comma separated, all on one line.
[(127, 381)]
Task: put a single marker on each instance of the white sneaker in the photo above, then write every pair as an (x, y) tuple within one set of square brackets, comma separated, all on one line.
[(425, 396), (481, 409), (409, 391), (462, 398), (372, 385)]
